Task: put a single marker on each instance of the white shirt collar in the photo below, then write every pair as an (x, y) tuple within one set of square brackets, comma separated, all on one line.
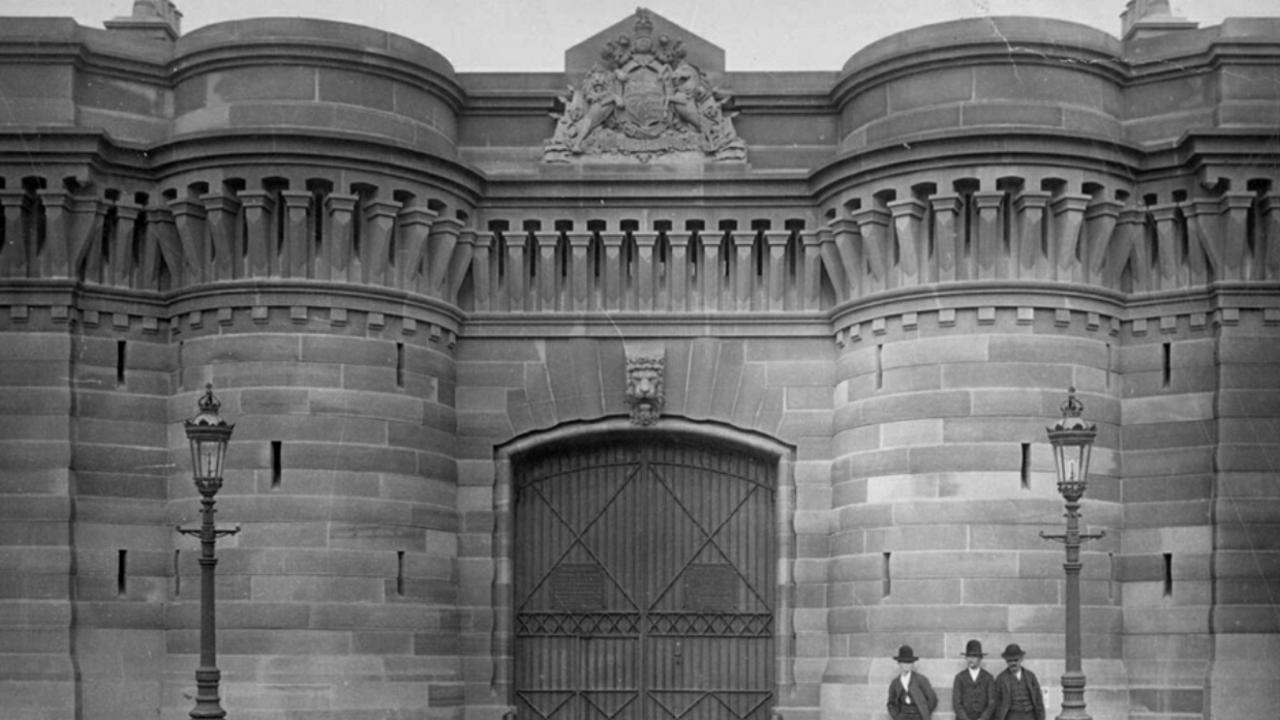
[(973, 673)]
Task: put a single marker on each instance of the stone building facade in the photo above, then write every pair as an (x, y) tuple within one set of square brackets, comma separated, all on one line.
[(498, 345)]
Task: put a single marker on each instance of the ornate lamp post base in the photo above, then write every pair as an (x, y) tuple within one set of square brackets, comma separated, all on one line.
[(208, 703), (1073, 697)]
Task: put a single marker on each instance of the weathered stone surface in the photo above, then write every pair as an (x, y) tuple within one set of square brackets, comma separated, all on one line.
[(890, 322)]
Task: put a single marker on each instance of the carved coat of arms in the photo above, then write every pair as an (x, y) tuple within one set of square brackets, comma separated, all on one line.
[(644, 99)]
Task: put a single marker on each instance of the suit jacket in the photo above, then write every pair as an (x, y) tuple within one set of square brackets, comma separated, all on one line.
[(1004, 691), (922, 696), (973, 700)]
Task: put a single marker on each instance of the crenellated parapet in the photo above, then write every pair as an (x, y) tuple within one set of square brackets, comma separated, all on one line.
[(644, 272), (1113, 239)]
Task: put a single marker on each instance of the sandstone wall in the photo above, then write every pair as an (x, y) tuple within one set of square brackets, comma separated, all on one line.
[(942, 481), (338, 595), (361, 250), (510, 387)]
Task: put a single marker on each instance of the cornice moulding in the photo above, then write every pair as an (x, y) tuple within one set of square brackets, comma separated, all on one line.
[(965, 147), (225, 149), (987, 53), (308, 53)]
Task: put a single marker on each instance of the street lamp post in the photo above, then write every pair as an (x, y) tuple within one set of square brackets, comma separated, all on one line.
[(1072, 441), (208, 435)]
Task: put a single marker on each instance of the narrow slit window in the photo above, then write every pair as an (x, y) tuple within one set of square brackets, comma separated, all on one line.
[(122, 572), (879, 366), (277, 463), (1111, 576), (400, 573), (1168, 574), (120, 361), (177, 573), (885, 579), (1025, 470), (400, 364), (1167, 365), (1107, 374)]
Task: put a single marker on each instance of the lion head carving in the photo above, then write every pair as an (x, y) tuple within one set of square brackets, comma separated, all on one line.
[(645, 394)]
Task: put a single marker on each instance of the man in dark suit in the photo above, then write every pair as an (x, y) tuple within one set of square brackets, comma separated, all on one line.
[(973, 694), (911, 697), (1018, 689)]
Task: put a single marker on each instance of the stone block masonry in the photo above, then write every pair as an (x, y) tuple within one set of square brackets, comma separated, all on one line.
[(402, 307)]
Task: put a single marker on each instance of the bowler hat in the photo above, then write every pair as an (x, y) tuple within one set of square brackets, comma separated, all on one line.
[(972, 648), (906, 654), (1012, 651)]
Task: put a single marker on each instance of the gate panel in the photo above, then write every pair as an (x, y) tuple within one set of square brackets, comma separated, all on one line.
[(644, 578)]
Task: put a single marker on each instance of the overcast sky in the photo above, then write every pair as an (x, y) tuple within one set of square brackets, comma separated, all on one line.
[(528, 35)]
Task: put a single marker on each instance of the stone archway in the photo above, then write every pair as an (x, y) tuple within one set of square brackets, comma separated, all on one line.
[(642, 572)]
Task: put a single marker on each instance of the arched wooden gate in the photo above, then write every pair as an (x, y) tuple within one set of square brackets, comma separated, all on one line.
[(644, 581)]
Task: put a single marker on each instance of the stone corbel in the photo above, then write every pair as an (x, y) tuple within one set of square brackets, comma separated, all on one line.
[(1271, 222), (873, 225), (646, 287), (412, 227), (947, 249), (380, 222), (811, 244), (122, 256), (743, 269), (842, 254), (1204, 254), (221, 215), (54, 261), (677, 268), (122, 245), (296, 255), (1029, 260), (1168, 248), (1129, 247), (580, 288), (189, 220), (260, 238), (545, 292), (1234, 207), (709, 272), (459, 261), (908, 220), (162, 233), (776, 241), (442, 244), (14, 254), (1100, 223), (86, 247), (517, 271), (991, 260), (1068, 216)]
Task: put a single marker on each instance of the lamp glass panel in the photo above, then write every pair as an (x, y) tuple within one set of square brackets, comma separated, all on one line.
[(206, 457)]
